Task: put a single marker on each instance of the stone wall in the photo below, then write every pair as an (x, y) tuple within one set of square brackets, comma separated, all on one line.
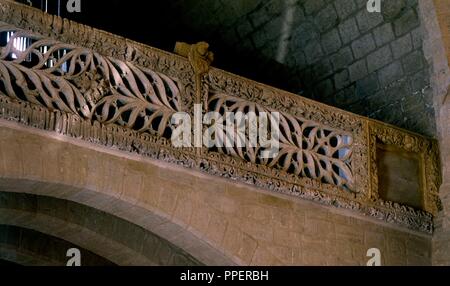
[(247, 224), (435, 16), (333, 51)]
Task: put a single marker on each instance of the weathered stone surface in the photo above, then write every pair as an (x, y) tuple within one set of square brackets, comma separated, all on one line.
[(348, 30), (358, 70), (383, 34), (390, 73), (367, 21), (379, 59), (250, 226), (363, 46), (436, 40), (402, 46), (344, 8), (407, 22), (331, 41), (361, 36)]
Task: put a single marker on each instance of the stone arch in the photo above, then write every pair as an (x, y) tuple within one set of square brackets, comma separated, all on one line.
[(24, 246), (46, 170), (111, 231)]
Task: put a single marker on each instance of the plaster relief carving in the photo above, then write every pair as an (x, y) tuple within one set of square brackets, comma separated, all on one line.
[(200, 59), (77, 80), (307, 148), (198, 54)]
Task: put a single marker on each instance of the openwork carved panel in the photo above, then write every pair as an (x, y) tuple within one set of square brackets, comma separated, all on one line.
[(76, 80), (307, 148), (81, 82)]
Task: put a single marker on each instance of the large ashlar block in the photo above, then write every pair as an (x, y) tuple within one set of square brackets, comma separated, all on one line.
[(32, 161), (132, 184), (183, 210), (240, 244)]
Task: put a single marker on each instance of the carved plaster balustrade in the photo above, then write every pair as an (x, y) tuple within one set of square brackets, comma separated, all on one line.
[(98, 87)]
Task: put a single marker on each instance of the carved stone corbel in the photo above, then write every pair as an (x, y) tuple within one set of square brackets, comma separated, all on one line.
[(200, 59)]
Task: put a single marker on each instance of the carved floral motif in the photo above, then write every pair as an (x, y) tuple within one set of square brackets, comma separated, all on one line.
[(307, 148), (83, 82)]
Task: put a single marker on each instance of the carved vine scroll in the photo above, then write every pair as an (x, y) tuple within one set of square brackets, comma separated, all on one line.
[(307, 148), (77, 80)]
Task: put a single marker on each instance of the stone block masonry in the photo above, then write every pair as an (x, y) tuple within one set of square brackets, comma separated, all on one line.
[(435, 16), (337, 52)]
